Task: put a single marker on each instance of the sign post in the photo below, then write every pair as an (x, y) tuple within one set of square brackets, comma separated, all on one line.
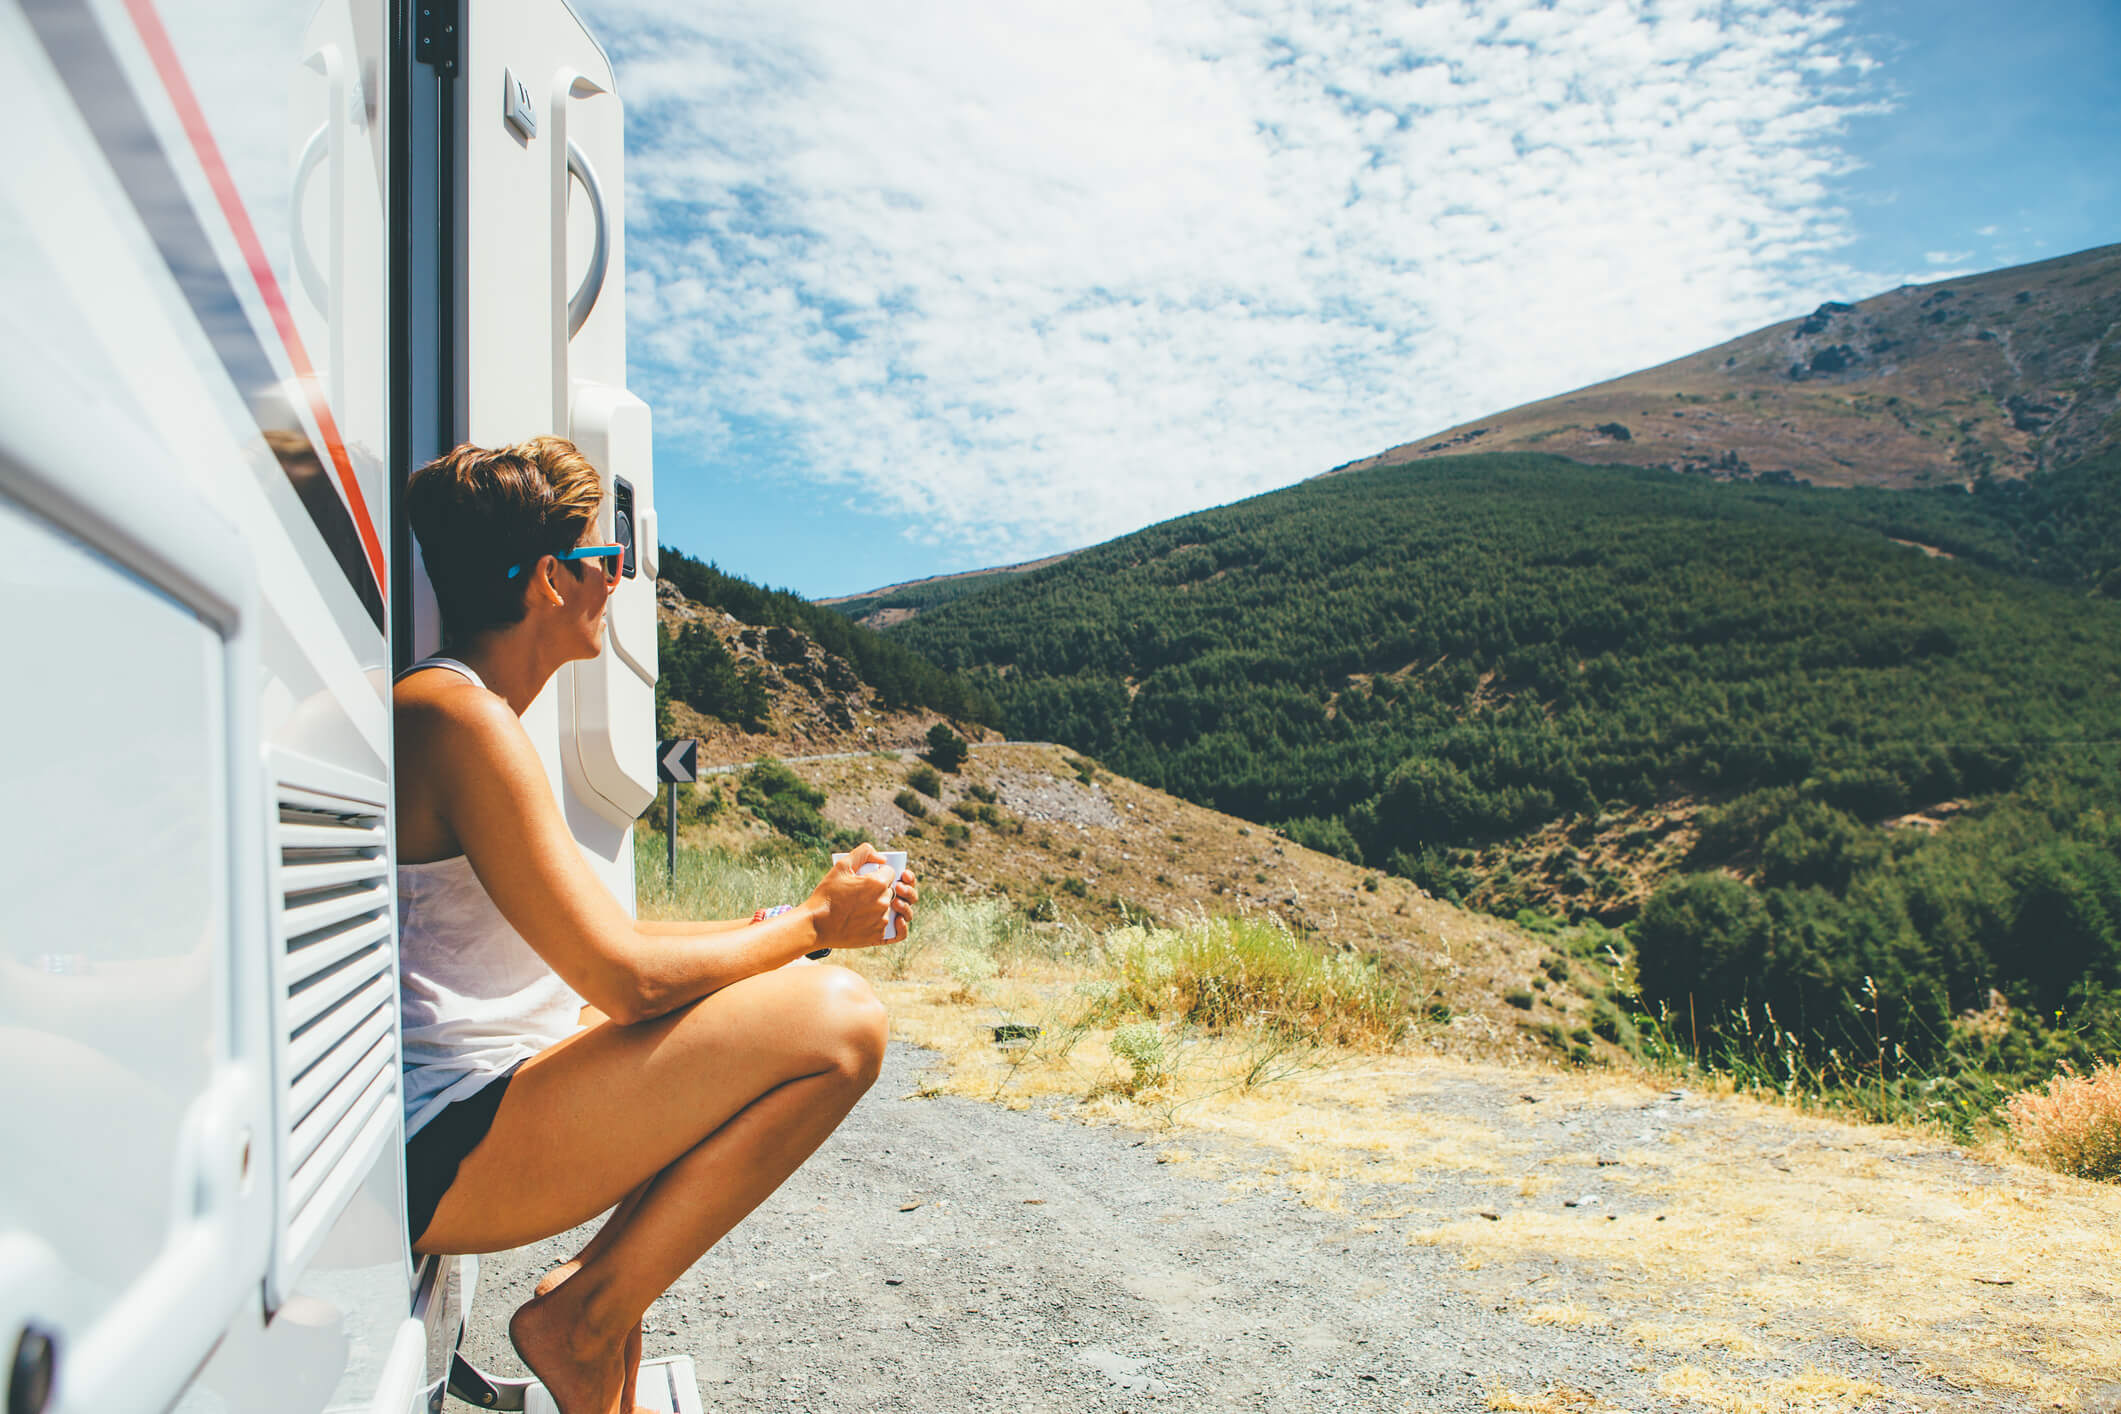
[(675, 762)]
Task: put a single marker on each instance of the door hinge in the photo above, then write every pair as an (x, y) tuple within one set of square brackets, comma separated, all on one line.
[(437, 35)]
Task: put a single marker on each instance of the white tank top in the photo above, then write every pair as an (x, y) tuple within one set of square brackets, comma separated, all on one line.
[(474, 1000)]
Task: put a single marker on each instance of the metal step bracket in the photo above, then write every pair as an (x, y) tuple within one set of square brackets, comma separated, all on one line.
[(670, 1385)]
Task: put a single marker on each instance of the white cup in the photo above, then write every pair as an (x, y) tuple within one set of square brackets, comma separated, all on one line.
[(895, 866)]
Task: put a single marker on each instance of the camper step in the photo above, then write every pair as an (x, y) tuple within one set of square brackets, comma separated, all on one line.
[(669, 1385)]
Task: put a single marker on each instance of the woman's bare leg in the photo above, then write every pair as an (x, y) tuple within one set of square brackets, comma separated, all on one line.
[(572, 1333), (597, 1242), (713, 1106)]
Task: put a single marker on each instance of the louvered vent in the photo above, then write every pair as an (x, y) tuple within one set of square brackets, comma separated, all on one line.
[(339, 981)]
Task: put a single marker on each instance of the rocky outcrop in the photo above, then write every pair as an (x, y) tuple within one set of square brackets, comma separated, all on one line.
[(817, 701)]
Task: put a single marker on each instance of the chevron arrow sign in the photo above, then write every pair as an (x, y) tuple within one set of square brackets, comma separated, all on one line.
[(678, 760)]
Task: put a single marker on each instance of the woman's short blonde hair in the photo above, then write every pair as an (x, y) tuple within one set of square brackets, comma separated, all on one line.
[(478, 511)]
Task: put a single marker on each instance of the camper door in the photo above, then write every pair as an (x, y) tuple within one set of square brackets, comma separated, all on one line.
[(542, 219)]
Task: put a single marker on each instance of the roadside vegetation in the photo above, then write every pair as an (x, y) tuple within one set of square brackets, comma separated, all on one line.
[(1152, 1018), (1136, 1011)]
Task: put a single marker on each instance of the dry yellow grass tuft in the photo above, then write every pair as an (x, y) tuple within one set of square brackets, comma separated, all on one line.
[(2074, 1126), (1560, 1399), (1813, 1392)]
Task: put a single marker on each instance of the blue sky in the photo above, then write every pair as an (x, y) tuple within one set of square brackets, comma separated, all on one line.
[(1999, 146), (924, 287)]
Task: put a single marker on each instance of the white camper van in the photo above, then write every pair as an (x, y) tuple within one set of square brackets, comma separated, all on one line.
[(258, 258)]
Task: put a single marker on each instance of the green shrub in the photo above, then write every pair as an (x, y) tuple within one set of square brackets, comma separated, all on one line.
[(946, 749), (970, 968), (779, 797), (701, 803), (1608, 1021), (907, 801), (926, 781), (1141, 1045), (1327, 836), (980, 792), (1818, 845), (955, 835), (1518, 997), (1701, 936)]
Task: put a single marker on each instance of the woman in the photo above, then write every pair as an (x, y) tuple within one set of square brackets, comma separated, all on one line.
[(562, 1058)]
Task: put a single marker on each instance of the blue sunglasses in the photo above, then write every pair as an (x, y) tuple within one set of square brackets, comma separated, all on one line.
[(613, 553)]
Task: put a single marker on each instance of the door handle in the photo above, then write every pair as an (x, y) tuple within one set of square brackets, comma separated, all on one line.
[(314, 283), (584, 298), (34, 1372)]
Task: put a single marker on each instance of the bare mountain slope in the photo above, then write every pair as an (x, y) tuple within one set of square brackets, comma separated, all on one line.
[(2002, 373)]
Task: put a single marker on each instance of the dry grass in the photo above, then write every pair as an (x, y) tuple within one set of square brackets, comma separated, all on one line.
[(2074, 1126), (1559, 1399), (1813, 1392), (1253, 973), (1767, 1226)]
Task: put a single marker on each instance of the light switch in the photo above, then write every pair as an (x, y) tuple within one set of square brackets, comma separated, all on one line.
[(522, 114)]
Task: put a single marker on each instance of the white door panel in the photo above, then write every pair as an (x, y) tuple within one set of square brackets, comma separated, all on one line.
[(139, 1221), (546, 352)]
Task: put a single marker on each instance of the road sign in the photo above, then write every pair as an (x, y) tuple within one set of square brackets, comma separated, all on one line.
[(678, 760)]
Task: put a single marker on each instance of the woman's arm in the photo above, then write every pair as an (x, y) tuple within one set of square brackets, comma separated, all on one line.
[(658, 928), (479, 771)]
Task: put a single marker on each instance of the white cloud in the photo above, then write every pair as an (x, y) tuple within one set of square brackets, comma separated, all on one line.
[(1986, 230), (1947, 257), (1043, 272)]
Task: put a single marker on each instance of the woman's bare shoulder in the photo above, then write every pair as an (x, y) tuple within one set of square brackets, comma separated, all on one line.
[(441, 708)]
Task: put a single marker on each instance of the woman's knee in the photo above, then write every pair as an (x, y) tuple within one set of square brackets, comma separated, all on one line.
[(855, 1020), (828, 1018)]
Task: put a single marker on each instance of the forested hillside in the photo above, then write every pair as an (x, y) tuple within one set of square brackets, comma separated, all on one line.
[(1422, 667), (702, 674)]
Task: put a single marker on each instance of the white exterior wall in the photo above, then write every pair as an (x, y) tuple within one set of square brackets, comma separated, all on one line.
[(198, 969)]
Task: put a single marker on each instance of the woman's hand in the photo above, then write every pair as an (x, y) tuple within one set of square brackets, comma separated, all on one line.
[(849, 908), (904, 895)]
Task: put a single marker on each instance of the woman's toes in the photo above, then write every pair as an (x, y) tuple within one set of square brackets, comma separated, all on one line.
[(557, 1275)]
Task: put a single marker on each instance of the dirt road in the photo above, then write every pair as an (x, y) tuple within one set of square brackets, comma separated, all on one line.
[(943, 1254)]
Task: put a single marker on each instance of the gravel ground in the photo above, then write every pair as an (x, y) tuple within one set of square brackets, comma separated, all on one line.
[(946, 1254)]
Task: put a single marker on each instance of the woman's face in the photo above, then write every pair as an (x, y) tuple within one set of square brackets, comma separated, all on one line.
[(589, 588)]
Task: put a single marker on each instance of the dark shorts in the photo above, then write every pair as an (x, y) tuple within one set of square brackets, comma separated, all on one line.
[(432, 1156)]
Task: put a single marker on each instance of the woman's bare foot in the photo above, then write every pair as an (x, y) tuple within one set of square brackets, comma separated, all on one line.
[(582, 1374), (566, 1269)]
